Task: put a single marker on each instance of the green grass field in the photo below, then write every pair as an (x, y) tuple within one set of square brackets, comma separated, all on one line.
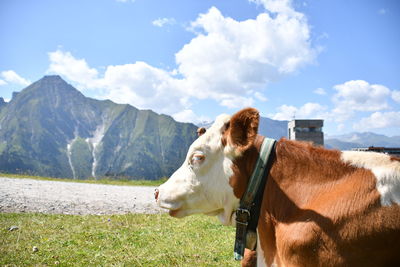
[(118, 240), (92, 181)]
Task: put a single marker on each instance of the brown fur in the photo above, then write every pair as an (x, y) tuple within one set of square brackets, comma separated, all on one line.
[(243, 128), (249, 259), (395, 158), (201, 131), (317, 210), (242, 169), (242, 133)]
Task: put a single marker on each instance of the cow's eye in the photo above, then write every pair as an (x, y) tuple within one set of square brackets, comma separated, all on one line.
[(197, 158)]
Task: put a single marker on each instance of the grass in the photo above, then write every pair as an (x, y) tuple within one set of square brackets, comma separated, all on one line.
[(117, 240), (92, 181)]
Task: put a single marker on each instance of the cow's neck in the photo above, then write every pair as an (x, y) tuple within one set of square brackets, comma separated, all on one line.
[(243, 167), (299, 166), (295, 166)]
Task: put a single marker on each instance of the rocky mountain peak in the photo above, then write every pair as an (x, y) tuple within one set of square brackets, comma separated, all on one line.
[(52, 77), (55, 83), (2, 102)]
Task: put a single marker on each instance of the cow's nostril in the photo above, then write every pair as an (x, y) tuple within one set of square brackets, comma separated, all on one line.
[(156, 192)]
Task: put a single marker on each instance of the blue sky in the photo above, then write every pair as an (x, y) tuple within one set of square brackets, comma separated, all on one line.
[(335, 60)]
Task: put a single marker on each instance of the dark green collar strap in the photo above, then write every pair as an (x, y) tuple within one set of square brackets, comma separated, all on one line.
[(249, 209)]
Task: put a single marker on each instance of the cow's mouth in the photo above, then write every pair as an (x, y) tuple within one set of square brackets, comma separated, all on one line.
[(169, 205), (214, 213), (180, 212), (175, 213)]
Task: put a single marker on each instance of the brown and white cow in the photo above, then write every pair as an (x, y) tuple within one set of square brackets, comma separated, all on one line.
[(320, 207)]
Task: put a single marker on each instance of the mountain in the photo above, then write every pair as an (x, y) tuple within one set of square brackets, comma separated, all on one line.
[(277, 129), (341, 145), (205, 124), (273, 128), (51, 129), (367, 139), (268, 127), (2, 103)]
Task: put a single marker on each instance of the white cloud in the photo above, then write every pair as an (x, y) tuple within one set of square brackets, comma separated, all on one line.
[(379, 120), (307, 111), (228, 58), (352, 98), (260, 97), (312, 110), (160, 22), (236, 102), (187, 115), (138, 84), (396, 95), (76, 70), (320, 91), (228, 61), (11, 76), (144, 87), (2, 82), (341, 115), (340, 127), (360, 95), (285, 112)]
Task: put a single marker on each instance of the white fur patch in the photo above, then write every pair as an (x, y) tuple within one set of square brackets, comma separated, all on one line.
[(260, 253), (386, 171)]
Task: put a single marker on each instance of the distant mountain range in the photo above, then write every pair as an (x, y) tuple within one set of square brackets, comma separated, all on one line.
[(270, 128), (277, 129), (2, 102), (51, 129), (273, 128), (355, 140)]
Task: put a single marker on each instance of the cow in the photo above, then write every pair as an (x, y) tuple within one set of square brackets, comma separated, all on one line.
[(320, 207)]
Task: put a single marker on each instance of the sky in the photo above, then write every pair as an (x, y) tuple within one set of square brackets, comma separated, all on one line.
[(336, 60)]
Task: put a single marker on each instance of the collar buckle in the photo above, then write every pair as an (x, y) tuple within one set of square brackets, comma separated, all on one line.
[(242, 216)]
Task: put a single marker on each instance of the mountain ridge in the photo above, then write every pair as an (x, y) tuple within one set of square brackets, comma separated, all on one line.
[(363, 139), (52, 129)]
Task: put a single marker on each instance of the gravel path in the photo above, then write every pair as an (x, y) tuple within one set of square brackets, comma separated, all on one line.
[(27, 195)]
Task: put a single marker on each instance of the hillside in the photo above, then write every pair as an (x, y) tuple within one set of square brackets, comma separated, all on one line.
[(273, 128), (51, 129)]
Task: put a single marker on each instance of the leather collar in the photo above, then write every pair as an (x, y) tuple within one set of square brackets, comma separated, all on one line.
[(249, 208)]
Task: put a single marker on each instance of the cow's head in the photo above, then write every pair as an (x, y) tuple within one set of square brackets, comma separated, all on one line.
[(205, 182)]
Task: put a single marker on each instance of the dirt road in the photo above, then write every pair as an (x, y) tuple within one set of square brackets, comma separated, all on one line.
[(57, 197)]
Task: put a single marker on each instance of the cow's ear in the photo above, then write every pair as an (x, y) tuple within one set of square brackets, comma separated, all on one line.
[(243, 128)]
